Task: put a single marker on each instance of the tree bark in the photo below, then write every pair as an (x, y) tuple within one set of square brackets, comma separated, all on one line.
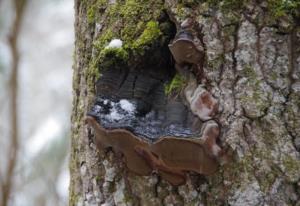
[(252, 68)]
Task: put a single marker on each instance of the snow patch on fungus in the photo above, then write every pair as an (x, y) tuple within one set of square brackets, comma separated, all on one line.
[(113, 110), (116, 114), (127, 106)]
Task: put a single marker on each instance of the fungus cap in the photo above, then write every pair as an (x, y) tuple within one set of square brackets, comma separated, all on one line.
[(170, 156)]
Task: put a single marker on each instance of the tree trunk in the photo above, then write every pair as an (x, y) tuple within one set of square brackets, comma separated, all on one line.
[(252, 68)]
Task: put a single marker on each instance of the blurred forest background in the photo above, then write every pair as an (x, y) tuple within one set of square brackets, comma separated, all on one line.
[(36, 46)]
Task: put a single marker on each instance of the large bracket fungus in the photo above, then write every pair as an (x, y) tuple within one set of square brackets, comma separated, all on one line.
[(155, 132)]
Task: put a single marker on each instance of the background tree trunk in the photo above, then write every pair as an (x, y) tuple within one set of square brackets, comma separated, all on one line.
[(252, 68)]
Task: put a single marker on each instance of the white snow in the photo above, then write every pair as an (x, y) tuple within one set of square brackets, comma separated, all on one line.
[(97, 108), (119, 110), (115, 43), (127, 106), (114, 115)]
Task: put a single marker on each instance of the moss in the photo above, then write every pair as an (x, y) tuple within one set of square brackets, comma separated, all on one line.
[(267, 181), (98, 178), (94, 8), (104, 39), (233, 4), (256, 93), (150, 34), (91, 14), (175, 86), (249, 73), (237, 173), (273, 76), (134, 14), (135, 22), (216, 63), (132, 21), (292, 166), (73, 199), (280, 8), (192, 202), (93, 75), (182, 12), (270, 137), (228, 5), (128, 198), (276, 9), (113, 57)]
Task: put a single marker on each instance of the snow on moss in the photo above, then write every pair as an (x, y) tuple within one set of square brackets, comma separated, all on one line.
[(115, 43)]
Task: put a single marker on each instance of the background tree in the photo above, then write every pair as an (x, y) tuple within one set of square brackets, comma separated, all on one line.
[(7, 179), (34, 137), (252, 67)]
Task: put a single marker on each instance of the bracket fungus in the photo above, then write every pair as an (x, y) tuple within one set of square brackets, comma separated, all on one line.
[(133, 115), (202, 103), (170, 156), (187, 48), (184, 49)]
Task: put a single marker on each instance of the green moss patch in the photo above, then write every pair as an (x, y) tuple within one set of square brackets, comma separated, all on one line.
[(175, 86), (135, 22), (276, 8), (113, 57), (150, 34)]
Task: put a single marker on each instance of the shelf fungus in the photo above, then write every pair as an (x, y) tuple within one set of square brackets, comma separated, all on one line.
[(201, 102), (187, 49), (133, 114), (170, 156)]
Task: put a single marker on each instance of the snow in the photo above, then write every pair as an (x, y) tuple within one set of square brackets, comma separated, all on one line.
[(127, 106), (115, 43), (114, 111), (115, 115), (120, 109)]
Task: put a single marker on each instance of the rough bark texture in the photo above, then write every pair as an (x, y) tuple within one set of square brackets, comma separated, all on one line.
[(253, 69)]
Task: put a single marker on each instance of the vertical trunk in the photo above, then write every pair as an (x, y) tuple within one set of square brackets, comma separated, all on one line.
[(7, 183), (252, 67)]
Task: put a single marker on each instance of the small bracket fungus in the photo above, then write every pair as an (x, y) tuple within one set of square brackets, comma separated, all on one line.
[(188, 52), (184, 49), (202, 103), (187, 49), (133, 115)]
